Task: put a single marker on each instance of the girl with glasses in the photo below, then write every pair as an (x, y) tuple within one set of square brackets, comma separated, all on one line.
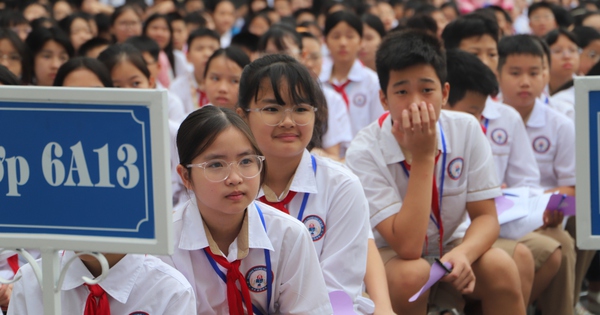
[(287, 113), (240, 255)]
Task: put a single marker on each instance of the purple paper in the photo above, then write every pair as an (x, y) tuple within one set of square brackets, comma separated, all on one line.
[(563, 203), (436, 273), (342, 303), (503, 204)]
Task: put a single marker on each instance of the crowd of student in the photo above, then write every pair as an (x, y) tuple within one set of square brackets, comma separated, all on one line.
[(331, 146)]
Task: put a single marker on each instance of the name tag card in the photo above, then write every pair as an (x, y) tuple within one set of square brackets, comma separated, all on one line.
[(85, 169)]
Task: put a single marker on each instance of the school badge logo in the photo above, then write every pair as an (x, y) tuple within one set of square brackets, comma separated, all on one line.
[(541, 144), (316, 227), (455, 168), (499, 136), (359, 100), (256, 278)]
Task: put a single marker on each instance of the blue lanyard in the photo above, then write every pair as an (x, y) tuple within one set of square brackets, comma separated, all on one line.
[(306, 195), (442, 176), (485, 124), (223, 277)]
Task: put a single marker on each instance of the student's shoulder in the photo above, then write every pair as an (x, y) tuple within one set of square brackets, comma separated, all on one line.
[(164, 273), (371, 75), (455, 120), (279, 220), (335, 170), (179, 83), (556, 119)]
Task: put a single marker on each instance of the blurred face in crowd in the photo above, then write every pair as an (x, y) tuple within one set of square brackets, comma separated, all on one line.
[(47, 61), (589, 56), (80, 32), (224, 16), (127, 25), (343, 42), (180, 34), (158, 30), (10, 57), (61, 9), (542, 21)]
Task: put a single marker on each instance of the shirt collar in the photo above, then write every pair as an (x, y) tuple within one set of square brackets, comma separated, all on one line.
[(392, 153), (130, 266), (356, 73), (194, 236), (304, 180), (537, 118), (491, 109)]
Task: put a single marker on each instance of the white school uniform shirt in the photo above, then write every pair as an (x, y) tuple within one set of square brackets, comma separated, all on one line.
[(177, 111), (552, 137), (137, 284), (470, 175), (183, 86), (564, 102), (336, 214), (298, 285), (338, 121), (513, 156), (364, 105)]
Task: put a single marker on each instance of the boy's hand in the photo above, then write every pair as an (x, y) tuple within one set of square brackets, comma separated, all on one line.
[(417, 130), (553, 218), (462, 277), (5, 293)]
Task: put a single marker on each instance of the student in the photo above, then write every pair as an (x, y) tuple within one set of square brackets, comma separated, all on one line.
[(61, 9), (150, 51), (551, 136), (589, 19), (338, 121), (223, 236), (93, 47), (8, 78), (16, 22), (126, 21), (172, 62), (49, 49), (131, 284), (222, 76), (258, 24), (505, 21), (322, 194), (564, 63), (202, 43), (15, 55), (223, 15), (356, 83), (78, 29), (588, 39), (281, 39), (180, 31), (373, 33), (247, 42), (434, 12), (541, 18), (195, 20), (394, 162)]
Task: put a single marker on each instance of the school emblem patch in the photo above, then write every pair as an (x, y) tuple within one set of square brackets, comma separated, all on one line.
[(455, 168), (541, 144), (139, 313), (359, 100), (316, 227), (499, 136), (256, 278)]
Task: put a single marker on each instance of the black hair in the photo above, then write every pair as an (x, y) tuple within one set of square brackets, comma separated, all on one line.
[(90, 64), (232, 53), (43, 22), (585, 35), (174, 16), (11, 18), (451, 5), (103, 23), (426, 9), (540, 5), (259, 15), (203, 32), (343, 16), (329, 4), (92, 44), (470, 25), (553, 36), (595, 70), (65, 24), (545, 49), (115, 54), (199, 130), (22, 50), (311, 36), (401, 50), (467, 73), (271, 71), (562, 17), (7, 77), (519, 45), (299, 12), (169, 48), (278, 33), (374, 22), (122, 9), (195, 18), (498, 8), (246, 40), (582, 17), (422, 22), (211, 5), (308, 24), (36, 41), (145, 44)]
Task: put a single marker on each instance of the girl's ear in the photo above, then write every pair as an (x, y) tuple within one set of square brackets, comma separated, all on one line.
[(185, 176), (152, 80), (240, 112)]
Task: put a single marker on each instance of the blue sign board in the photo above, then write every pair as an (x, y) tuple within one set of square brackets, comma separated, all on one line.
[(587, 127), (72, 168)]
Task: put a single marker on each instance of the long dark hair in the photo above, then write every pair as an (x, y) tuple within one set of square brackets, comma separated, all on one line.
[(90, 64), (22, 50), (169, 49)]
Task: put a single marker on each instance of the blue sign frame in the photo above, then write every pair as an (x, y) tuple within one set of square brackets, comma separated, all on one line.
[(85, 169), (587, 127)]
